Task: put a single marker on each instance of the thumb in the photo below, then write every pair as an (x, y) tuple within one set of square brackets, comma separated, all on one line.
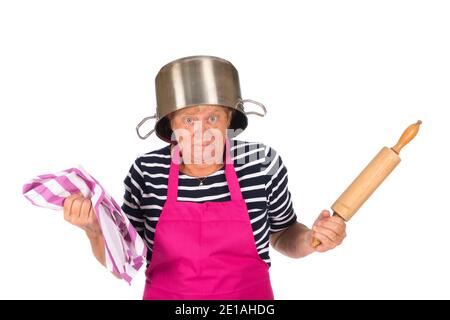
[(323, 215)]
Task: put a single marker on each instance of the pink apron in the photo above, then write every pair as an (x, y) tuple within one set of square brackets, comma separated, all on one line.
[(206, 251)]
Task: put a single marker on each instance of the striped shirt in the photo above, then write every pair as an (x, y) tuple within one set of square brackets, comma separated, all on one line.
[(261, 174)]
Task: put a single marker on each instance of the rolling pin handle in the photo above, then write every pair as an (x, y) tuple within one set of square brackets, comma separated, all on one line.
[(407, 136)]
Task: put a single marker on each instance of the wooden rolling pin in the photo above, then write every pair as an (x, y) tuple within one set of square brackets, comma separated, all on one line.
[(370, 178)]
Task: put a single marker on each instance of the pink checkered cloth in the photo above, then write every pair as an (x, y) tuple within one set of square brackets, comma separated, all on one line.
[(125, 250)]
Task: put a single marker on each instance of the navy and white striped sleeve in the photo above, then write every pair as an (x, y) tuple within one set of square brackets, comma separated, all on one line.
[(134, 185), (280, 209)]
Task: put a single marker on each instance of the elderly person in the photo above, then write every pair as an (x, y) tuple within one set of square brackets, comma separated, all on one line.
[(208, 206)]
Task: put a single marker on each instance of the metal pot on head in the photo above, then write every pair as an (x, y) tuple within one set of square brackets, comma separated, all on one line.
[(197, 80)]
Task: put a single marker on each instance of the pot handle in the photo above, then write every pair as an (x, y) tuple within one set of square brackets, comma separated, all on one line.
[(241, 103), (141, 123)]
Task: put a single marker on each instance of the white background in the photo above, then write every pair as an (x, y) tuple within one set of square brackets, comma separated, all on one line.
[(340, 79)]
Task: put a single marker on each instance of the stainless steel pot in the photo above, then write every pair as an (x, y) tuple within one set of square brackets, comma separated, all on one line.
[(197, 80)]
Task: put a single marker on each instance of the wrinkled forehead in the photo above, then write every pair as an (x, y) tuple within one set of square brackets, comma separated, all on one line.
[(201, 110)]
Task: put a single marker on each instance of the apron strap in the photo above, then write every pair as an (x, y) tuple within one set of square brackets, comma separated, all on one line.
[(172, 186), (230, 174)]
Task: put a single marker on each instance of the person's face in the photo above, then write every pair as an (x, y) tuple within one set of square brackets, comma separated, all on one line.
[(200, 131)]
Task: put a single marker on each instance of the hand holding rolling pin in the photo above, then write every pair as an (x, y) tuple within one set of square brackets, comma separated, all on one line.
[(328, 230)]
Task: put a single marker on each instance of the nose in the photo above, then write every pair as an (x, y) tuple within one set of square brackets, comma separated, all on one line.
[(201, 126)]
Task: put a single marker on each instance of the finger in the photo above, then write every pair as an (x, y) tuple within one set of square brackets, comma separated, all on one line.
[(67, 207), (337, 219), (72, 197), (323, 215), (332, 225), (85, 208), (76, 207), (325, 243), (331, 235), (70, 209)]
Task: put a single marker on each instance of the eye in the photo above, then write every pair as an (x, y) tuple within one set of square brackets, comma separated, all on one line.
[(213, 119), (189, 121)]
